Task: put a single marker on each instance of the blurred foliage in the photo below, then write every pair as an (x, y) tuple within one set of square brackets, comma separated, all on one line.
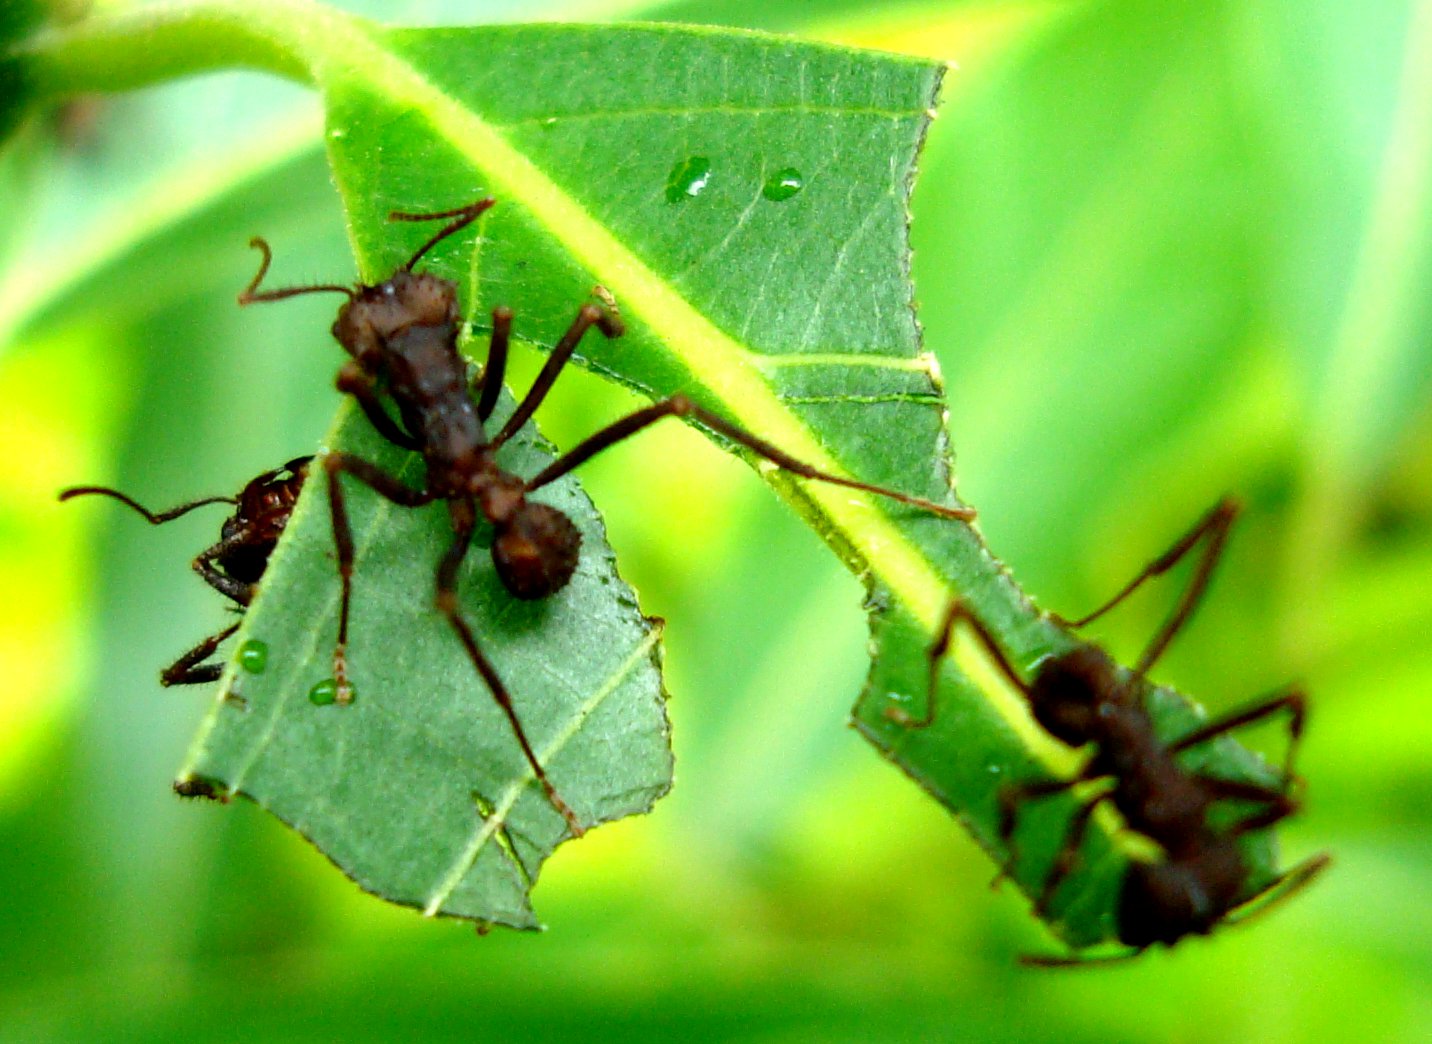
[(1164, 251)]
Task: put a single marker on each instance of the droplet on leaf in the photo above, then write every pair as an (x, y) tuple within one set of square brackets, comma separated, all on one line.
[(688, 179), (783, 184), (253, 656)]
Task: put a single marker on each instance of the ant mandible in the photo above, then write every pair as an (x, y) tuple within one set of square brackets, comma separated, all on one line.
[(234, 565), (1082, 698), (402, 336)]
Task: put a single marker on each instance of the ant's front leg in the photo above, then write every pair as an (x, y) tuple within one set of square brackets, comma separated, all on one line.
[(184, 671), (588, 316), (238, 591), (353, 380), (495, 368), (954, 613), (1214, 526), (390, 488)]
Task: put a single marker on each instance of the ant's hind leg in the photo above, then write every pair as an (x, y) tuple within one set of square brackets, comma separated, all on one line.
[(190, 669), (1280, 889), (681, 406), (1293, 700), (386, 486), (464, 519)]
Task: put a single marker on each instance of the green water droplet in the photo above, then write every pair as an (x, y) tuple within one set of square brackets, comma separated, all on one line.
[(253, 656), (783, 184), (688, 179), (324, 693), (548, 123)]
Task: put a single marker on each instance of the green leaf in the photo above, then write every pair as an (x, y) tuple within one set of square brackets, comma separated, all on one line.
[(639, 158), (418, 790)]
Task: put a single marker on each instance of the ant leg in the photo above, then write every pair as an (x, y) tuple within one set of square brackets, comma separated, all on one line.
[(1068, 857), (496, 365), (353, 381), (464, 516), (1280, 807), (236, 590), (464, 215), (588, 315), (386, 486), (1039, 960), (184, 671), (1293, 700), (154, 518), (1010, 798), (1280, 889), (681, 406), (954, 612), (1215, 526)]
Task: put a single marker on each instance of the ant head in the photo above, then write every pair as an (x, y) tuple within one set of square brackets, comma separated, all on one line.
[(535, 550), (378, 313), (1067, 690)]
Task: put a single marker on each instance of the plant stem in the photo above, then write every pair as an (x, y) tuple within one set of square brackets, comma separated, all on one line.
[(163, 42)]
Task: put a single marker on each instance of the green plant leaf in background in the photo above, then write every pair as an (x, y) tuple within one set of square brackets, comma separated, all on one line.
[(757, 242)]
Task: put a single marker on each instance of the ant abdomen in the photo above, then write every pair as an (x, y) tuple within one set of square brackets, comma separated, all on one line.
[(536, 550), (1162, 902)]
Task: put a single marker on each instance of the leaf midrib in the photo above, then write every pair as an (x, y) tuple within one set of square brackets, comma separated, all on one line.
[(338, 49), (725, 367)]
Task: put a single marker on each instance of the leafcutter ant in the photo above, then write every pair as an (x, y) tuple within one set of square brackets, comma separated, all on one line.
[(234, 565), (402, 336), (1083, 698)]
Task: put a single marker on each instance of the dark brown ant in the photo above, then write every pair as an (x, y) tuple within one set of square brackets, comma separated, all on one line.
[(1083, 698), (402, 336), (234, 565)]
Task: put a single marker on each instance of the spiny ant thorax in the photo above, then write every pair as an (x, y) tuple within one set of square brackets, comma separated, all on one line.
[(377, 314)]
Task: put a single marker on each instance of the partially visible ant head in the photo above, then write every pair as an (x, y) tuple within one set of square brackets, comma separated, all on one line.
[(535, 550), (376, 313), (265, 506), (1067, 689)]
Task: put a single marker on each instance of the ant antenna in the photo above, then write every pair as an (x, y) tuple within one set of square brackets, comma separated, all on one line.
[(252, 293), (464, 215), (154, 518)]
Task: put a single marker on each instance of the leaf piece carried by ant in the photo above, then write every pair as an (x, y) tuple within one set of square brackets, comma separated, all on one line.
[(402, 761)]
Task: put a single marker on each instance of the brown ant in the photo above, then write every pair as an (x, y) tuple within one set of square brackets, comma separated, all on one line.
[(234, 565), (1082, 698), (402, 335)]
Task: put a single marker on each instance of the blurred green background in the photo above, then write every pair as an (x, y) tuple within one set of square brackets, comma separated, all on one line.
[(1163, 251)]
